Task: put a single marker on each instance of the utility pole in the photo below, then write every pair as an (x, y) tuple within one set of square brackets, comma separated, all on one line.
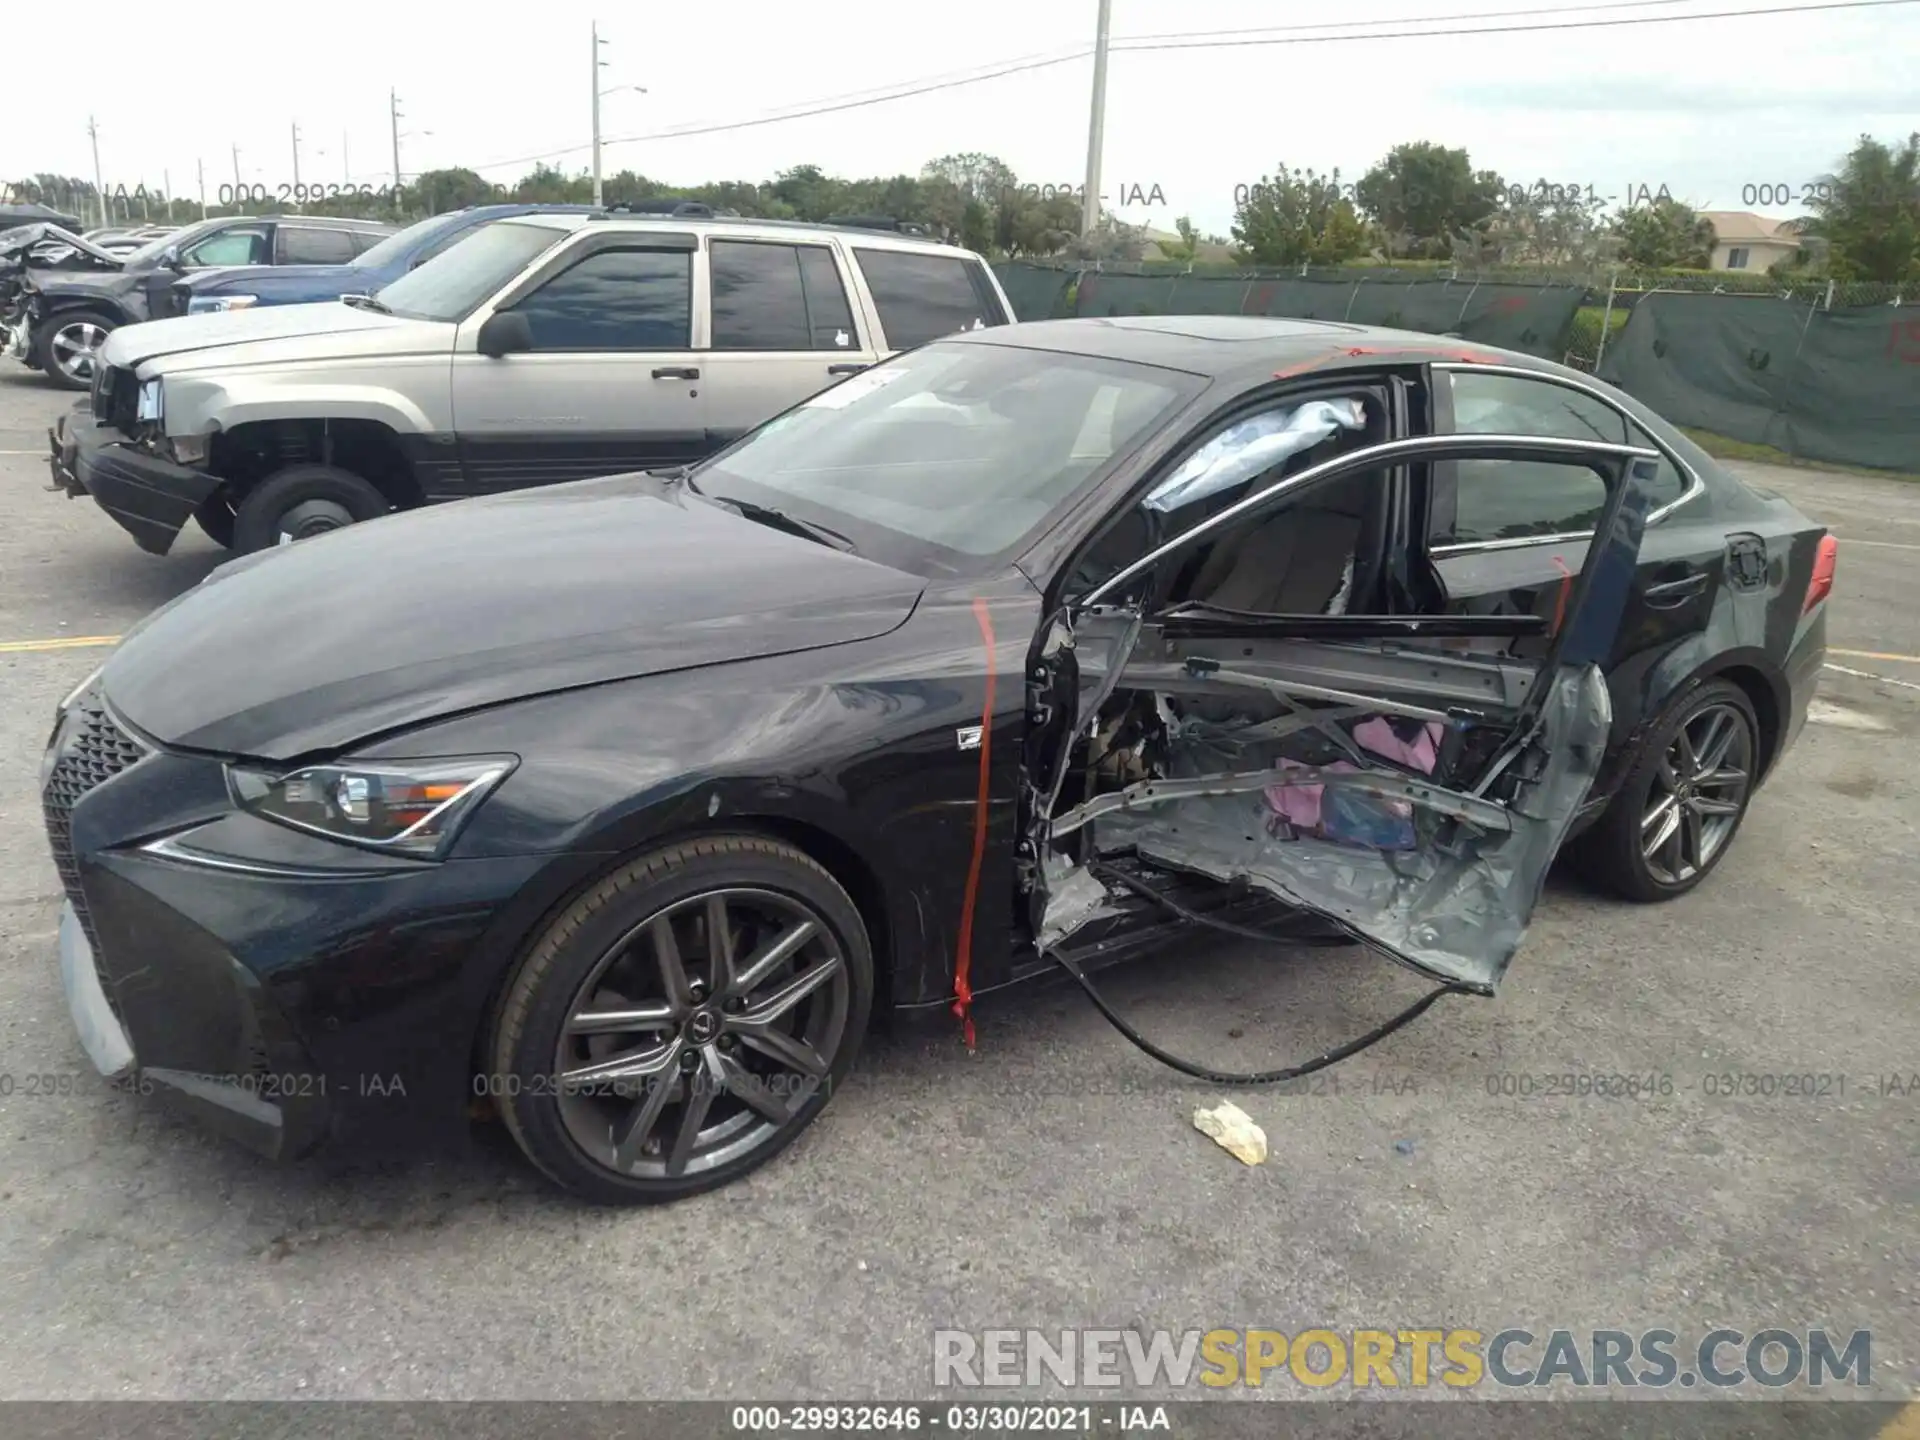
[(239, 187), (296, 162), (1097, 125), (393, 114), (166, 192), (200, 167), (598, 194), (99, 185)]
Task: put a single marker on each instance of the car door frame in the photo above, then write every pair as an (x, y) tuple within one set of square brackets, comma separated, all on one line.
[(1551, 743), (508, 459)]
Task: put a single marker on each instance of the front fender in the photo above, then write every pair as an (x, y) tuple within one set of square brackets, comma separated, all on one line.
[(53, 306), (200, 407)]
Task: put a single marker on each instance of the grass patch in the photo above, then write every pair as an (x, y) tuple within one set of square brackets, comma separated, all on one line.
[(1722, 447)]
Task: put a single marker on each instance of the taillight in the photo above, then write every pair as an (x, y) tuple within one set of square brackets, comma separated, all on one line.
[(1821, 585)]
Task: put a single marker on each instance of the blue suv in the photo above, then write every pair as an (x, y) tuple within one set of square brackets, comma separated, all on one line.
[(247, 286)]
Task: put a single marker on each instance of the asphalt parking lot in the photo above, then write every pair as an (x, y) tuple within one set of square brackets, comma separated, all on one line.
[(1052, 1177)]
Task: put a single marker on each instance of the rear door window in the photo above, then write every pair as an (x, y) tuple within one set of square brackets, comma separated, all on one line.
[(777, 297), (922, 297)]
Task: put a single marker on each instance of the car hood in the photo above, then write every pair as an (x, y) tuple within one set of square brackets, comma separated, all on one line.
[(319, 645), (16, 243), (327, 327)]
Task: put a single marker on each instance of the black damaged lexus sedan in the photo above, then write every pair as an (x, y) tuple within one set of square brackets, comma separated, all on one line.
[(621, 809)]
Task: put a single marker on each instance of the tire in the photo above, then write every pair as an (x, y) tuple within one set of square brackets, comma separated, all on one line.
[(300, 502), (1710, 715), (216, 519), (658, 1141), (56, 345)]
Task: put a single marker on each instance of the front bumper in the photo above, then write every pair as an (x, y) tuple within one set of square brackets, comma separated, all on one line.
[(16, 339), (284, 1003), (150, 498)]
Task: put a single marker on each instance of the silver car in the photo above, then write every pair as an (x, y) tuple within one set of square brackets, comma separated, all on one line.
[(544, 348)]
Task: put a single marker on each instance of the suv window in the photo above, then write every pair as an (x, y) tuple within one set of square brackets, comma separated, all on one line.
[(306, 245), (363, 240), (616, 300), (923, 297), (777, 297), (1509, 499), (246, 246)]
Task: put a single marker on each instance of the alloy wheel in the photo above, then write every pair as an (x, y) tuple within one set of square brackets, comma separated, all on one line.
[(702, 1033), (75, 348), (1699, 793)]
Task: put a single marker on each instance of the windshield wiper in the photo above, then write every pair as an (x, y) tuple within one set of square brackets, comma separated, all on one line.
[(365, 302), (780, 519)]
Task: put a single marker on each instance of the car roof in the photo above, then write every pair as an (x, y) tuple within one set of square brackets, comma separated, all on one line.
[(1248, 349), (742, 224)]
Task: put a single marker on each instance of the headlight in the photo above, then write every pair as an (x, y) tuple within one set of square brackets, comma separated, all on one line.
[(414, 807), (149, 408), (208, 304)]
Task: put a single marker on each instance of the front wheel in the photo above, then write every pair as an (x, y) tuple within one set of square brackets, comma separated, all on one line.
[(1676, 813), (682, 1022), (301, 502), (68, 346)]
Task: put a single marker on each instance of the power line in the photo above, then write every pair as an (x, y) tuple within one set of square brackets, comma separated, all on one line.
[(853, 101), (1404, 20), (1246, 40), (1201, 40)]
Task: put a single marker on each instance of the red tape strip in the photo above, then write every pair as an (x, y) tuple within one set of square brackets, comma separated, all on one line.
[(963, 962)]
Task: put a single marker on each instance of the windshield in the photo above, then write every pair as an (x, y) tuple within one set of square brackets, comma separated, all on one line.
[(950, 453), (396, 247), (450, 285)]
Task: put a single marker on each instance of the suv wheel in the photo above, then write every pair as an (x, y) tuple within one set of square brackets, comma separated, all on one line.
[(683, 1021), (300, 502), (1676, 813), (69, 346)]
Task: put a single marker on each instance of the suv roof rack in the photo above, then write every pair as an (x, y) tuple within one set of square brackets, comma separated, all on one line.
[(692, 209), (875, 222)]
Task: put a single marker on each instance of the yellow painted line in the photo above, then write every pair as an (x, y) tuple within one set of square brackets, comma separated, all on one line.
[(1875, 655), (65, 642), (1905, 1425)]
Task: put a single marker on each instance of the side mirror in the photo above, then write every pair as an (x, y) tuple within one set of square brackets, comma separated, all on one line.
[(504, 333)]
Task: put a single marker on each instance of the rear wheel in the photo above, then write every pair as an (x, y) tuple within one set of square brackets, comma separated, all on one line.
[(1676, 813), (68, 346), (682, 1022), (301, 502)]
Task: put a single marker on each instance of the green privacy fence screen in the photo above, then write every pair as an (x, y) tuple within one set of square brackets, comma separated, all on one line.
[(1839, 385), (1821, 381), (1535, 319)]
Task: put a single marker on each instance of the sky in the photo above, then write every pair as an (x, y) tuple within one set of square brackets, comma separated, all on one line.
[(1726, 114)]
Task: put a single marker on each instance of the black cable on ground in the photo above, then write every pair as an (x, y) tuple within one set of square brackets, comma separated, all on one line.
[(1100, 870), (1228, 1077)]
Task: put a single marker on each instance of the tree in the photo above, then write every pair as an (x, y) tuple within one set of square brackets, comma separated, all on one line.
[(1423, 195), (1868, 213), (1541, 224), (1186, 247), (1297, 218), (1666, 235), (438, 191)]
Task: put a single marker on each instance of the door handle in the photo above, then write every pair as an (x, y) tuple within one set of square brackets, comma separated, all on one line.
[(676, 372), (1671, 593), (845, 369)]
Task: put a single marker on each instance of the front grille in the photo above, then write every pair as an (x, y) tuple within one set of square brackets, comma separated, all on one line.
[(95, 750)]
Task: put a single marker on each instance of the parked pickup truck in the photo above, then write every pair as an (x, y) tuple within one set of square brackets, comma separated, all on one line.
[(248, 286), (543, 348), (60, 319)]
